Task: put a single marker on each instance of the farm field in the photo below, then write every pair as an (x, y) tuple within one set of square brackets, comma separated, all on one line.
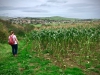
[(60, 50)]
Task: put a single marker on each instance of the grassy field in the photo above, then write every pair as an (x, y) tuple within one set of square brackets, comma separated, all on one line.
[(54, 51), (29, 62)]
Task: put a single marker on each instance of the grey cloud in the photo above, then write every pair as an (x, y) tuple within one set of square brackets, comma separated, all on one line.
[(12, 8), (79, 9), (57, 1), (35, 10), (6, 8), (45, 5), (83, 7), (23, 9), (4, 14), (51, 7), (84, 12)]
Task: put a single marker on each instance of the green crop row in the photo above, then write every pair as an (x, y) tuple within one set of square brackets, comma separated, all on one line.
[(82, 45)]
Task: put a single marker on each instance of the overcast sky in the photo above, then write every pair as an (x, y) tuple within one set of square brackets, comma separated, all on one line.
[(47, 8)]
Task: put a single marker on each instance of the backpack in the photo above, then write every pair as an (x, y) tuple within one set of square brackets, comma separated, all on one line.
[(11, 40)]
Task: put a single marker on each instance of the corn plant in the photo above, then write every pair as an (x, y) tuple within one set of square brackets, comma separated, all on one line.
[(80, 44)]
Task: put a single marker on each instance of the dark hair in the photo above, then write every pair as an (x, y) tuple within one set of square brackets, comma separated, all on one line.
[(11, 32)]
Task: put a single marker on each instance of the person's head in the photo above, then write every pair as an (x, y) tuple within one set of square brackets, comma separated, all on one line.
[(11, 32)]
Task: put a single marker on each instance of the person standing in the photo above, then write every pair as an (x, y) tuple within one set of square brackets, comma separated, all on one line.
[(14, 45)]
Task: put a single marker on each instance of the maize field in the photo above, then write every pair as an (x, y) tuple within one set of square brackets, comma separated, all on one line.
[(81, 45)]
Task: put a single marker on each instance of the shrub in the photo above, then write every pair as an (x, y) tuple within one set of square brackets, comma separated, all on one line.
[(3, 37), (3, 33)]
